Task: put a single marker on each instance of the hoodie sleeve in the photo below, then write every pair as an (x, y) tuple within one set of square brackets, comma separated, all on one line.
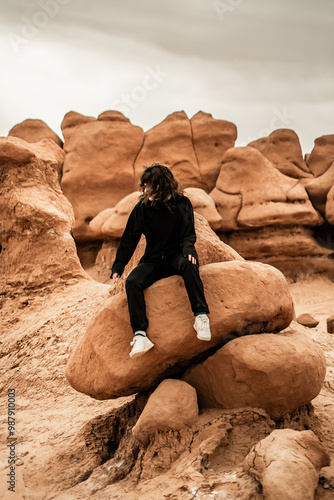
[(188, 235), (128, 241)]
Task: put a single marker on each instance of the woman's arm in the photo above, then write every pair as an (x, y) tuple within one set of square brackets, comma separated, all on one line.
[(128, 242), (188, 235)]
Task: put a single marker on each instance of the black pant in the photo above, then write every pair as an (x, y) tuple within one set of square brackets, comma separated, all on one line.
[(147, 273)]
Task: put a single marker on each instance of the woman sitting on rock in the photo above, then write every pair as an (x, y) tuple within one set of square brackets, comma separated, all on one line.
[(166, 217)]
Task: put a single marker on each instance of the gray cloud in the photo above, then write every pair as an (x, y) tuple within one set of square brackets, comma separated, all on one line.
[(263, 56)]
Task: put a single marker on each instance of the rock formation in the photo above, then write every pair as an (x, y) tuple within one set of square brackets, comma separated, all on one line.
[(172, 406), (170, 142), (330, 206), (34, 131), (293, 250), (319, 187), (287, 464), (307, 320), (268, 197), (330, 324), (322, 155), (111, 222), (266, 216), (274, 372), (99, 165), (36, 223), (211, 138), (204, 205), (282, 148)]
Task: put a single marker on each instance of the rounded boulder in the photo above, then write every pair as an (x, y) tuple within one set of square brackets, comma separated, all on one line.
[(172, 406), (278, 373)]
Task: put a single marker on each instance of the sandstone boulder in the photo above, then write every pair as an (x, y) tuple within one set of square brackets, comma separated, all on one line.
[(330, 324), (228, 206), (282, 148), (242, 296), (278, 373), (34, 131), (287, 464), (329, 211), (16, 151), (99, 165), (322, 155), (111, 222), (36, 222), (211, 138), (275, 241), (204, 205), (73, 119), (293, 250), (307, 320), (172, 406), (268, 196), (319, 187), (170, 143)]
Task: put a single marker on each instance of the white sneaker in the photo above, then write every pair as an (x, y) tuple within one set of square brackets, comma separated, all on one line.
[(141, 344), (202, 327)]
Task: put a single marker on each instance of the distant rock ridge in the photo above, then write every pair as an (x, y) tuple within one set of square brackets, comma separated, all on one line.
[(264, 189)]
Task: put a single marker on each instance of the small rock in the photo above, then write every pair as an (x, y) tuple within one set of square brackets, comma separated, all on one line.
[(172, 406), (330, 324), (307, 320)]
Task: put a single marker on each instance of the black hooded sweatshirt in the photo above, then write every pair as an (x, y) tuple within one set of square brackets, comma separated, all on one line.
[(167, 232)]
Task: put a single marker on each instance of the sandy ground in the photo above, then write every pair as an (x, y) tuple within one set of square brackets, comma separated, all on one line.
[(37, 335)]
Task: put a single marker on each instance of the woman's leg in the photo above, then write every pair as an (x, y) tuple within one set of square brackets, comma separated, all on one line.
[(193, 283), (141, 277)]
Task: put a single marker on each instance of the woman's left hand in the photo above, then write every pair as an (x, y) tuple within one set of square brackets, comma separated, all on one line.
[(191, 259)]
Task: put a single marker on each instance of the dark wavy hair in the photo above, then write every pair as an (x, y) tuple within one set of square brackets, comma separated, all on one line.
[(161, 184)]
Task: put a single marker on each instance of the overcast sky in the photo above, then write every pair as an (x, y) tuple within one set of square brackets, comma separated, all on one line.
[(262, 64)]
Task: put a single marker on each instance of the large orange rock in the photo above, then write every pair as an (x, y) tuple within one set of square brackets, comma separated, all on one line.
[(319, 187), (322, 155), (37, 219), (172, 406), (170, 143), (293, 250), (204, 205), (99, 165), (228, 206), (282, 148), (18, 151), (268, 196), (111, 222), (242, 296), (34, 131), (274, 372), (211, 138), (329, 211), (287, 464)]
